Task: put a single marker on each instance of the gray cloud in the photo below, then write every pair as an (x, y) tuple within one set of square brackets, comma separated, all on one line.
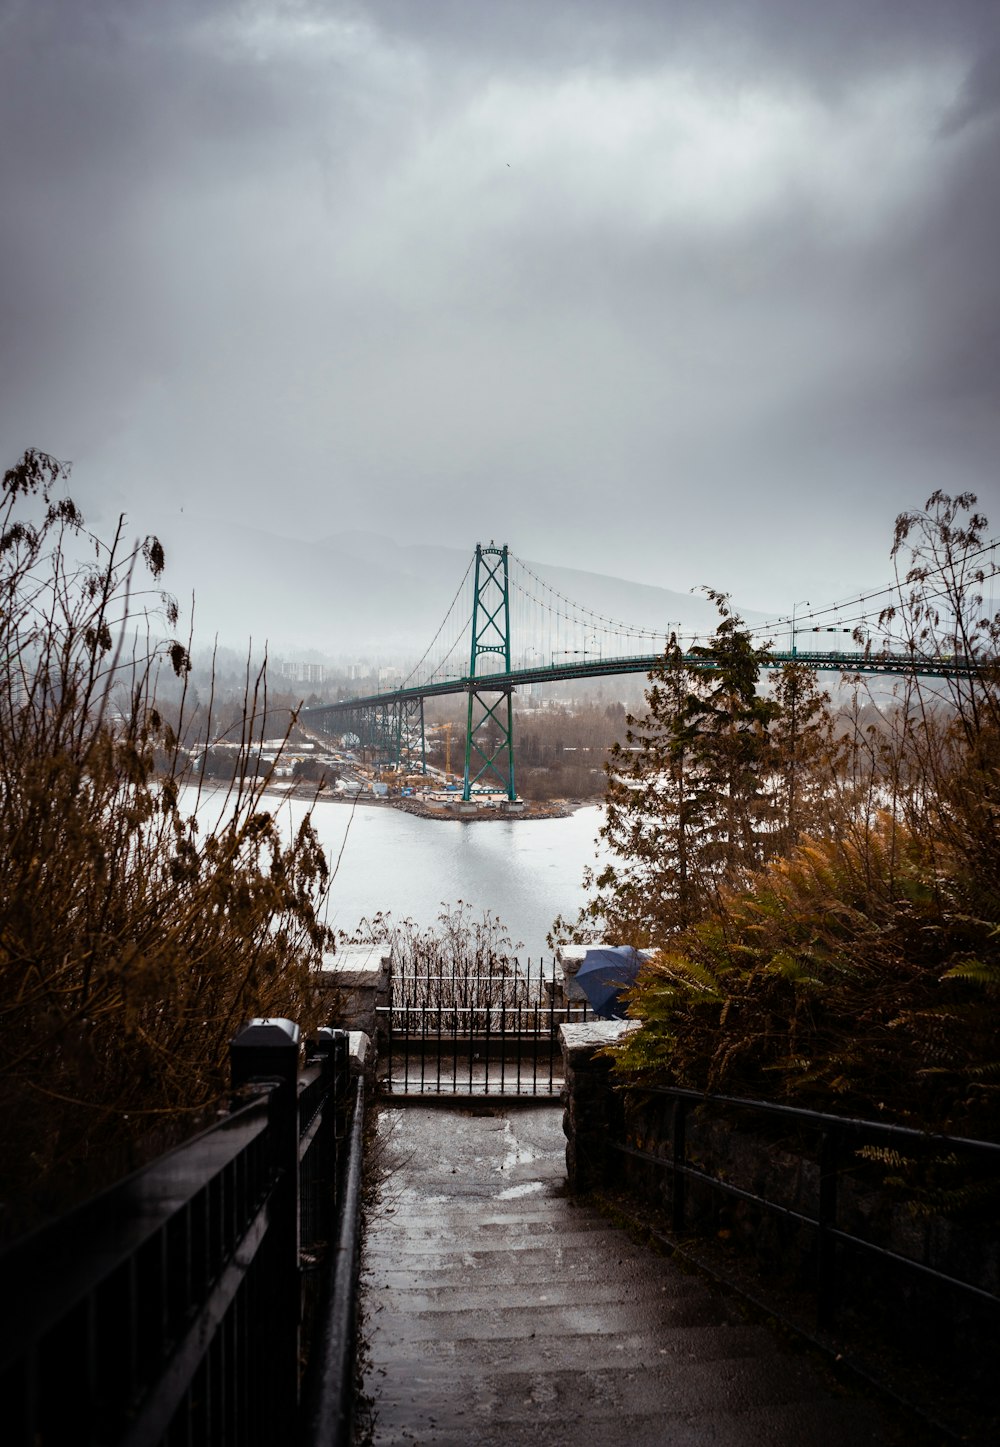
[(693, 293)]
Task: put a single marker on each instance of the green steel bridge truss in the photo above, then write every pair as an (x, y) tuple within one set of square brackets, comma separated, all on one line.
[(390, 725), (390, 729), (489, 730)]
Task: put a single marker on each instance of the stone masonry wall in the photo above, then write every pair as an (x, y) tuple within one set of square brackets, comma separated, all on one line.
[(778, 1160), (591, 1107)]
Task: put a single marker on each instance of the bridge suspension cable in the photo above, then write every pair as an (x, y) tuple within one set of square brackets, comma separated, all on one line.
[(549, 627), (888, 592), (568, 619), (548, 624), (460, 636), (493, 615)]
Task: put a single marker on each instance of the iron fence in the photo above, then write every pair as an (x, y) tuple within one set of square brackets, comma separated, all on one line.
[(837, 1150), (471, 1033), (168, 1309)]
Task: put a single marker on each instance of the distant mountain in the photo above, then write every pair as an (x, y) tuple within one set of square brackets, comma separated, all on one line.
[(362, 595)]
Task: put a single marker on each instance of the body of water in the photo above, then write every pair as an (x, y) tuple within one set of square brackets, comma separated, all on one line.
[(526, 871)]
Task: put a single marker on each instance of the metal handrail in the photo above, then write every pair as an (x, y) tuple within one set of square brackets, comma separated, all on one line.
[(328, 1401), (171, 1302), (833, 1128), (541, 1006), (461, 978), (47, 1273), (819, 1117)]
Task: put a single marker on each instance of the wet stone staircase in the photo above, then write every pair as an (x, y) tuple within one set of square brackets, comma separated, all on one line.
[(497, 1310)]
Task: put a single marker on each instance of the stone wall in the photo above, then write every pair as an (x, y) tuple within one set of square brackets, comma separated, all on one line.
[(592, 1109), (779, 1159), (357, 980)]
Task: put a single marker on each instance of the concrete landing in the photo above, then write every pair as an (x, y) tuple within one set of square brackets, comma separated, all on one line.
[(498, 1311)]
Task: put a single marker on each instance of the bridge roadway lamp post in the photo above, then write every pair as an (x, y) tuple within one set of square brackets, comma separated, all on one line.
[(802, 603), (489, 733)]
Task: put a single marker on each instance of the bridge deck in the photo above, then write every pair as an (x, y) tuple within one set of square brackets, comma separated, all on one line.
[(890, 664), (499, 1311)]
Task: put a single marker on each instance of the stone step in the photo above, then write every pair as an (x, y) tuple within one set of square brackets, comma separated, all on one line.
[(590, 1354), (571, 1242), (525, 1269), (584, 1317), (550, 1213), (799, 1424), (478, 1297), (498, 1311)]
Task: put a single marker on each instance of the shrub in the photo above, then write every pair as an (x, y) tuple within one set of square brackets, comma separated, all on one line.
[(846, 978), (463, 963), (134, 938), (862, 967)]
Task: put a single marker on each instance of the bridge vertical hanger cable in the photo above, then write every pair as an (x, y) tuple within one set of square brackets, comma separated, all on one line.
[(887, 594), (414, 671)]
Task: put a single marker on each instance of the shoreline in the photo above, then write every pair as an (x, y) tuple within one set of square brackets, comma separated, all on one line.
[(308, 795), (554, 809)]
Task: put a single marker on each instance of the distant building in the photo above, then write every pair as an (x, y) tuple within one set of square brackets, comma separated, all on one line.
[(302, 672)]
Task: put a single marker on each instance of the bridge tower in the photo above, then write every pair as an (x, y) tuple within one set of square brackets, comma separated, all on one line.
[(489, 732)]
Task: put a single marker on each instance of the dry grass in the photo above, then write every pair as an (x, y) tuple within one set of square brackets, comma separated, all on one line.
[(133, 942)]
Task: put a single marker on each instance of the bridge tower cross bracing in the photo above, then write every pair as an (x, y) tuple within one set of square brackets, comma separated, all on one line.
[(489, 730)]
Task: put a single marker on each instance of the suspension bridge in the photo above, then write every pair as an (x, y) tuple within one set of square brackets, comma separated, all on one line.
[(507, 628)]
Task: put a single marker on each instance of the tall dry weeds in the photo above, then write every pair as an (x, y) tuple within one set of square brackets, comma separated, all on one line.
[(134, 938)]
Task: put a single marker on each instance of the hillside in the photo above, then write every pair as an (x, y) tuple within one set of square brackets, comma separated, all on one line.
[(361, 594)]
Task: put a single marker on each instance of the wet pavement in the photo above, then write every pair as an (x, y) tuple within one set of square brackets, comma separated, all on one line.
[(497, 1310)]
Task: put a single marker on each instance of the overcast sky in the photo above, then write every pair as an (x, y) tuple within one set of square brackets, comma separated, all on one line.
[(689, 292)]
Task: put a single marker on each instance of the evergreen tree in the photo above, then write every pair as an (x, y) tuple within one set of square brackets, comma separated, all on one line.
[(656, 811), (731, 748), (807, 756), (689, 804)]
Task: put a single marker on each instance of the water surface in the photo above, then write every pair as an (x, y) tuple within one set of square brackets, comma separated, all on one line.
[(524, 870)]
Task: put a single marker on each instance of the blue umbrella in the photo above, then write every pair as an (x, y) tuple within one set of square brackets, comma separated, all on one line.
[(603, 974)]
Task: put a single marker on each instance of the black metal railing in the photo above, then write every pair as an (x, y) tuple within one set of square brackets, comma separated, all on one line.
[(837, 1147), (488, 1033), (169, 1308)]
